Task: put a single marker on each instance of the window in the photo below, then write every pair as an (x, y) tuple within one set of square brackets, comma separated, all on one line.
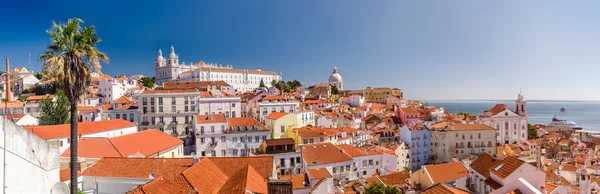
[(506, 126), (234, 139), (479, 135), (173, 109), (173, 100), (232, 104), (282, 129), (174, 119), (232, 113), (118, 116), (235, 152), (160, 109), (249, 139), (160, 100), (212, 129), (185, 100), (203, 153), (186, 109), (193, 109), (202, 140), (124, 116), (223, 138), (223, 152), (282, 162), (226, 114), (256, 139), (187, 119), (213, 153)]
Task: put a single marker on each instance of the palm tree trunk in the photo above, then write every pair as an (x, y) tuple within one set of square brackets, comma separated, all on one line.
[(74, 165)]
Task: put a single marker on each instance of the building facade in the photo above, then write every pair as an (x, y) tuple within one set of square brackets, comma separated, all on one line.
[(270, 104), (419, 141), (511, 126), (336, 79), (219, 102), (218, 136), (169, 70), (455, 140)]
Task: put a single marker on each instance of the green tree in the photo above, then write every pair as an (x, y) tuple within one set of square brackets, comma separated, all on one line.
[(38, 75), (69, 58), (54, 112), (531, 132), (334, 89), (262, 83), (1, 72), (147, 82), (22, 98), (378, 188)]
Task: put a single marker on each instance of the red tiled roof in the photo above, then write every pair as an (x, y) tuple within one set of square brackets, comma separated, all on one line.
[(65, 174), (312, 131), (87, 108), (440, 173), (509, 165), (245, 180), (244, 121), (159, 185), (484, 164), (229, 165), (298, 180), (39, 97), (147, 143), (318, 173), (498, 108), (196, 84), (159, 91), (122, 100), (323, 153), (138, 167), (59, 131), (204, 172), (214, 118), (276, 115), (274, 98), (443, 189), (410, 111)]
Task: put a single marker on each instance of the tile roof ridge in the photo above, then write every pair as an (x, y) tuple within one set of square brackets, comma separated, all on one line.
[(113, 145)]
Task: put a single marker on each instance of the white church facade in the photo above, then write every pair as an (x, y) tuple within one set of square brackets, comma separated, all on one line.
[(170, 70), (336, 79), (511, 126)]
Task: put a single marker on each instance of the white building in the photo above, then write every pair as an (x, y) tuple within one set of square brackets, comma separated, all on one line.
[(219, 102), (511, 125), (113, 88), (336, 79), (32, 104), (22, 119), (32, 162), (62, 133), (271, 104), (356, 100), (88, 113), (122, 108), (489, 175), (168, 70), (219, 136)]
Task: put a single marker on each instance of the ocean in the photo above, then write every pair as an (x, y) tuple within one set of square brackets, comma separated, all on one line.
[(585, 114)]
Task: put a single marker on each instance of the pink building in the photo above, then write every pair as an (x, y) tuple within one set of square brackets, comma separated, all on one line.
[(409, 116)]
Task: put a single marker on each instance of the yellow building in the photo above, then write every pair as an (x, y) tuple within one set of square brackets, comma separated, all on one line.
[(380, 94), (312, 135), (279, 122)]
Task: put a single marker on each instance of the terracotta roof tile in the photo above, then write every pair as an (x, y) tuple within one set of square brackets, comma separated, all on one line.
[(160, 91), (312, 131), (65, 174), (39, 97), (323, 153), (396, 178), (138, 167), (318, 173), (461, 127), (446, 172), (245, 180), (274, 98), (509, 165), (443, 189), (87, 108), (59, 131), (122, 100), (276, 115), (492, 183), (244, 122), (410, 111), (298, 180), (498, 108), (159, 185), (214, 118), (280, 141), (229, 165), (204, 172), (484, 164)]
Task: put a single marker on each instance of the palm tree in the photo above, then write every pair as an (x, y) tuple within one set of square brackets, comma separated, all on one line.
[(68, 59)]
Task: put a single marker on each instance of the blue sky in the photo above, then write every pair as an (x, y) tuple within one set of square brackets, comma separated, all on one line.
[(430, 49)]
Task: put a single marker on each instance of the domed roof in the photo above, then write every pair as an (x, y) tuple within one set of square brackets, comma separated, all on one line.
[(335, 76)]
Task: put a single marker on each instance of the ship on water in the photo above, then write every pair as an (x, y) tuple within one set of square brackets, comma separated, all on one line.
[(561, 122)]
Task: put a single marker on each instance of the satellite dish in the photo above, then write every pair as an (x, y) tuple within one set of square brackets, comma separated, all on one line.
[(60, 188)]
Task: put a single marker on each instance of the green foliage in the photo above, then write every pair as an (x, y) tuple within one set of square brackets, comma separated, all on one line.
[(54, 112), (1, 72), (43, 89), (406, 169), (262, 83), (147, 82), (334, 89), (378, 188), (38, 75), (22, 98), (292, 85), (80, 192), (3, 100), (531, 132)]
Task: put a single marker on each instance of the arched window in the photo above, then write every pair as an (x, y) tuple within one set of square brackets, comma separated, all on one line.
[(506, 126)]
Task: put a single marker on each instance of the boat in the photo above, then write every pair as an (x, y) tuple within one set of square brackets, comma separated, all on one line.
[(561, 122), (563, 109)]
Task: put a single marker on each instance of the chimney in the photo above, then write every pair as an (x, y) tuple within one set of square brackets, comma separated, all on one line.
[(7, 75)]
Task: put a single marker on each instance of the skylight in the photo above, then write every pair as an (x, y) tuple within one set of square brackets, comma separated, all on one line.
[(498, 167)]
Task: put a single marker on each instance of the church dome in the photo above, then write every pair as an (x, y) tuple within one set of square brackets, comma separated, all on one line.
[(335, 76)]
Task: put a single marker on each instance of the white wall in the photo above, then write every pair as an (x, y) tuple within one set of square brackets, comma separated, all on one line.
[(27, 120), (111, 133), (109, 185), (32, 163)]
